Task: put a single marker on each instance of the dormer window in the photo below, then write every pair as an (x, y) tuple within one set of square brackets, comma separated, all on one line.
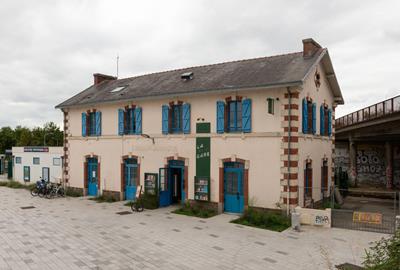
[(187, 76), (117, 89)]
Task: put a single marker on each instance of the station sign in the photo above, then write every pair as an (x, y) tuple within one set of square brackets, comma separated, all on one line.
[(36, 149)]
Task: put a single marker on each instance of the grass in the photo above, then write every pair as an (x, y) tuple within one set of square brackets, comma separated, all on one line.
[(72, 192), (104, 199), (17, 185), (195, 211), (264, 220)]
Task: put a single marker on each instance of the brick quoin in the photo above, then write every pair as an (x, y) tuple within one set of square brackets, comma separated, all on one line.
[(293, 151), (291, 188), (290, 176), (291, 200), (292, 106), (293, 95), (292, 139), (292, 118), (292, 129), (293, 163)]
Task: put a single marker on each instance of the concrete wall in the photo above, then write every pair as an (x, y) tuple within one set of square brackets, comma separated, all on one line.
[(46, 160)]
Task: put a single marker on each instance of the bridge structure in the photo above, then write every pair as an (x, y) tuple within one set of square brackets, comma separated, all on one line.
[(368, 145)]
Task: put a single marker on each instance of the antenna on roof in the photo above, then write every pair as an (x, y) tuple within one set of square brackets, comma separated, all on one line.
[(117, 64)]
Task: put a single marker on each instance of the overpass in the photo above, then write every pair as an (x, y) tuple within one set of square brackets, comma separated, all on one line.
[(368, 145)]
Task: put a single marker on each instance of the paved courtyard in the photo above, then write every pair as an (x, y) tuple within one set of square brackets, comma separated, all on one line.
[(76, 233)]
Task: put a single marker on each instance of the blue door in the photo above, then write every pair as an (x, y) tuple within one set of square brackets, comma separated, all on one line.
[(92, 177), (130, 178), (164, 190), (233, 190)]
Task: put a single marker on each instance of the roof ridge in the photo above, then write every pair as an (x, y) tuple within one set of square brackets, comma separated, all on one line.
[(209, 65)]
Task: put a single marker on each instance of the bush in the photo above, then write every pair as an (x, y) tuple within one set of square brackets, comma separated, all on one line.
[(104, 198), (73, 193), (264, 220), (18, 185), (195, 211), (385, 255)]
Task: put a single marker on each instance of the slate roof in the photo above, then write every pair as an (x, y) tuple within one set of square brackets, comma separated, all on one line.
[(274, 71)]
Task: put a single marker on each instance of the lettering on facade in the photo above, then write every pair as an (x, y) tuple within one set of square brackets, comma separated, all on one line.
[(202, 151), (321, 220), (369, 218)]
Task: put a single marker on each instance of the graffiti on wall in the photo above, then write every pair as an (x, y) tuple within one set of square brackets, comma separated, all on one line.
[(371, 164)]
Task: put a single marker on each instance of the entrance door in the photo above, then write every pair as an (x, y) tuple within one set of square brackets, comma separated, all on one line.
[(164, 190), (92, 177), (130, 178), (46, 174), (233, 190), (177, 184)]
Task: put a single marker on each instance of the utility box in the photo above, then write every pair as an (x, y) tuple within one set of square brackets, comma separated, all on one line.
[(296, 221)]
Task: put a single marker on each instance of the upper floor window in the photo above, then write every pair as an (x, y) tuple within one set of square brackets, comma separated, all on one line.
[(18, 160), (309, 125), (36, 161), (130, 121), (324, 175), (325, 120), (176, 118), (270, 102), (56, 161), (91, 123), (234, 115)]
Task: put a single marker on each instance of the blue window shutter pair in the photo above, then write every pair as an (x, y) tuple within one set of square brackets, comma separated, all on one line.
[(329, 122), (246, 115), (138, 120), (305, 116), (322, 120), (98, 123), (120, 122), (186, 118), (165, 119), (220, 117), (84, 132), (314, 118)]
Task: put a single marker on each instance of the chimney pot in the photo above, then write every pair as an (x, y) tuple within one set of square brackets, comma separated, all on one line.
[(98, 78), (310, 47)]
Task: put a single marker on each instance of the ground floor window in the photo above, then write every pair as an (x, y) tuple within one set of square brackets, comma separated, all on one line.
[(324, 176), (27, 173), (308, 180)]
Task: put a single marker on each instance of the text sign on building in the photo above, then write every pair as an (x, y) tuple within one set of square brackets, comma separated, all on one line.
[(369, 218), (203, 150), (36, 149)]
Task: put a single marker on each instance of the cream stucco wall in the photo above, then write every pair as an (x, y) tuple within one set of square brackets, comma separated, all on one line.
[(261, 148), (315, 147)]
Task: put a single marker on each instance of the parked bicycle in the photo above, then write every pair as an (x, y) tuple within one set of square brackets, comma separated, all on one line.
[(137, 204), (39, 188), (55, 190), (47, 189)]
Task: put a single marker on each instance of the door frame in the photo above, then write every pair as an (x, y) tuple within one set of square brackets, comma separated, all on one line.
[(122, 194), (185, 173), (182, 180), (245, 180), (86, 174)]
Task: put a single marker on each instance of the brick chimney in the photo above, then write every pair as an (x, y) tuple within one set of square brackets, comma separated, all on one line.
[(310, 47), (98, 78)]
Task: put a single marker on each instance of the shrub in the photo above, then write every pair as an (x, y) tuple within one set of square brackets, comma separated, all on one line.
[(195, 211), (16, 184), (264, 220), (104, 198), (385, 255), (73, 192)]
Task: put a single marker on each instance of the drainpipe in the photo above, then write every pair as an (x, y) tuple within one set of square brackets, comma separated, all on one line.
[(289, 141)]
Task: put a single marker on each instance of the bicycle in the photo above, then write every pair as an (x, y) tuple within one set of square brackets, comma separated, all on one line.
[(56, 189), (137, 204)]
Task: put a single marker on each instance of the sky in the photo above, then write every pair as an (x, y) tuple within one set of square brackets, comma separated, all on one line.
[(50, 49)]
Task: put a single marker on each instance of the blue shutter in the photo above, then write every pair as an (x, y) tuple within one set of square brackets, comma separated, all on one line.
[(186, 118), (120, 122), (165, 123), (132, 123), (84, 125), (322, 120), (220, 116), (98, 123), (314, 118), (329, 122), (138, 119), (305, 116), (246, 115)]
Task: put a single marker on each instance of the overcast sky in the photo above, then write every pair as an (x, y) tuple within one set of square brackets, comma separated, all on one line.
[(49, 49)]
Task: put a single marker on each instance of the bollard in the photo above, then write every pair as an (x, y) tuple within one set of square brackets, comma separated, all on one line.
[(296, 221)]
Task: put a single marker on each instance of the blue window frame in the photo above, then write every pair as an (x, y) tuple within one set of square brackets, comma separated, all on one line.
[(176, 118), (234, 116)]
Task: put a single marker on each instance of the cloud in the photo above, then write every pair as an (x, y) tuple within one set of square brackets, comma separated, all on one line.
[(50, 49)]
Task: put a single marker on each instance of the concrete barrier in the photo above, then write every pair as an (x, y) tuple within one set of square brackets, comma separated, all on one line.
[(315, 217)]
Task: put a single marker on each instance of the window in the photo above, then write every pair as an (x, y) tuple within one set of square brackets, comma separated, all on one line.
[(324, 176), (91, 124), (176, 117), (36, 161), (309, 125), (234, 116), (56, 161), (18, 160), (270, 102), (308, 180), (130, 121), (325, 120), (27, 173)]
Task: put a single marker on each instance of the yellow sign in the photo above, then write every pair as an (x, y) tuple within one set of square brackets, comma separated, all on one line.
[(365, 217)]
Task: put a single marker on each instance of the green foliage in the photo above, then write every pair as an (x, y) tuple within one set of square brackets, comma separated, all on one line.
[(16, 185), (195, 211), (104, 199), (385, 255), (150, 201), (264, 220), (73, 193), (50, 134)]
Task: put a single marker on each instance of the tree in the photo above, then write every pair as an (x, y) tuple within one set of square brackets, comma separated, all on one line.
[(7, 139), (385, 255)]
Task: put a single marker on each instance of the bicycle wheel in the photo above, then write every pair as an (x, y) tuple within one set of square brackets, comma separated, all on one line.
[(50, 194), (41, 192), (139, 207), (133, 206), (61, 192), (34, 192)]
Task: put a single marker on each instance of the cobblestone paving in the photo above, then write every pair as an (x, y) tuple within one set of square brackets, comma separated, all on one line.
[(76, 233)]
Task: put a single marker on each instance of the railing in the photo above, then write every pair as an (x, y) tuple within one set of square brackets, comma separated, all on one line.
[(378, 110)]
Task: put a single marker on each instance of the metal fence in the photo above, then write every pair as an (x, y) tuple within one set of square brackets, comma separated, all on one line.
[(381, 109), (356, 209)]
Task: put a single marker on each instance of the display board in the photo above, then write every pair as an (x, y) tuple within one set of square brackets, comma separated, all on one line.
[(202, 188), (150, 183)]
